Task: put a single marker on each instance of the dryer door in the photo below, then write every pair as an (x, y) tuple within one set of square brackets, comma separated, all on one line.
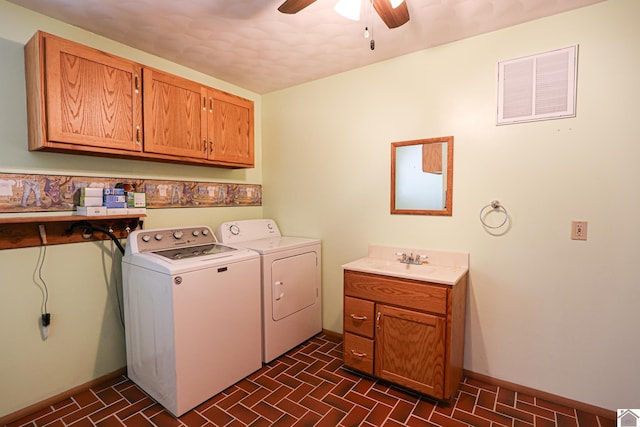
[(294, 284)]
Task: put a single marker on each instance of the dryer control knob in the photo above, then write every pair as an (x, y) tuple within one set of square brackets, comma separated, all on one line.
[(145, 238), (178, 235), (158, 236), (205, 232), (195, 233), (234, 229)]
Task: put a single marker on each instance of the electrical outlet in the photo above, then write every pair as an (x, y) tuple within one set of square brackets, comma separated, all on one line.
[(579, 230)]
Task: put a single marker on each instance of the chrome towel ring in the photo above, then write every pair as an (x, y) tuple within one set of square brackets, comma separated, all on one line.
[(493, 206)]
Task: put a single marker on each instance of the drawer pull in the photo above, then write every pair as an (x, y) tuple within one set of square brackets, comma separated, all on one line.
[(354, 317), (358, 354)]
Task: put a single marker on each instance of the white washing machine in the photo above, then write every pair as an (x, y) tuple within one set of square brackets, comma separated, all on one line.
[(192, 314), (291, 282)]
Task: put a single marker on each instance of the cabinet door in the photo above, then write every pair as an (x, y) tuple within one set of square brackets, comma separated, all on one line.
[(92, 98), (410, 349), (231, 129), (173, 115)]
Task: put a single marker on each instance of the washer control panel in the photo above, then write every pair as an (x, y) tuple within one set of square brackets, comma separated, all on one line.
[(247, 230), (168, 238)]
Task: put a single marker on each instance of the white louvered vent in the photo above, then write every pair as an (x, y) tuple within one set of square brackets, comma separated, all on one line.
[(538, 87)]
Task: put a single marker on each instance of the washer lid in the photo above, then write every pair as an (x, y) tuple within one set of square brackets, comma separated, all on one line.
[(277, 244)]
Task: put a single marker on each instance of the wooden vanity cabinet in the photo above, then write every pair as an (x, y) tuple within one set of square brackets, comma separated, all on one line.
[(79, 98), (84, 101), (405, 331)]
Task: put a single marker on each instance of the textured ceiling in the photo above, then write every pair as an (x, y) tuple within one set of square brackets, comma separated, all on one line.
[(250, 44)]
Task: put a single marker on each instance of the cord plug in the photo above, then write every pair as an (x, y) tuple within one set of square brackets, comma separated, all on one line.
[(45, 322)]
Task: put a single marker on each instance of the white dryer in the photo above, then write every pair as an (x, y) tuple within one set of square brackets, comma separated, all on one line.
[(291, 282)]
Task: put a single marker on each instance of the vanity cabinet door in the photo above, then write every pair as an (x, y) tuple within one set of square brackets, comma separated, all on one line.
[(81, 99), (410, 349)]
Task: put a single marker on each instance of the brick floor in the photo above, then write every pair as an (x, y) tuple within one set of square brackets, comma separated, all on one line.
[(309, 387)]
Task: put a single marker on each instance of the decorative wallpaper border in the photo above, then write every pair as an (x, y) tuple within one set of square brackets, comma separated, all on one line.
[(47, 193)]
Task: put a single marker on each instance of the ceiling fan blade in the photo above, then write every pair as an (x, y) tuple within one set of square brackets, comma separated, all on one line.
[(392, 17), (294, 6)]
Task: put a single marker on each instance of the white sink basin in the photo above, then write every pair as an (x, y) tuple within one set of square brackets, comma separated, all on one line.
[(441, 267)]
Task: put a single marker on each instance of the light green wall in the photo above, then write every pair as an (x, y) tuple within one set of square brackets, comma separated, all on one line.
[(86, 339), (543, 311)]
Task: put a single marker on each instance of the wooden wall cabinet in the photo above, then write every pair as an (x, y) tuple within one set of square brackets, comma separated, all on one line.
[(84, 101), (405, 331)]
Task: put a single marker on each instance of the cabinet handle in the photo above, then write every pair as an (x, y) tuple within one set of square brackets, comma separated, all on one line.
[(211, 105), (358, 354), (211, 146), (136, 83), (137, 135), (354, 317), (204, 103), (378, 320)]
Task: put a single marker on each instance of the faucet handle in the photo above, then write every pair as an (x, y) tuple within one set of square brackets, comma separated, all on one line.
[(419, 258)]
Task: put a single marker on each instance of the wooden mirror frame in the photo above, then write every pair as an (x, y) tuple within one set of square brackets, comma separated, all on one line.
[(447, 211)]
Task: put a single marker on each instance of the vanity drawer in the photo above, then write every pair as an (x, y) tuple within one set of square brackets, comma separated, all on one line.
[(358, 353), (359, 316), (401, 292)]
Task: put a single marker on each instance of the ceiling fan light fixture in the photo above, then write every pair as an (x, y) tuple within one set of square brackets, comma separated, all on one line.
[(349, 9)]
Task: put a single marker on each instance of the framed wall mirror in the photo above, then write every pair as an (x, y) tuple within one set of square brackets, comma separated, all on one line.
[(422, 176)]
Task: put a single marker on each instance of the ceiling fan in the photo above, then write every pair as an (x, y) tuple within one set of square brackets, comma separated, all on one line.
[(393, 17)]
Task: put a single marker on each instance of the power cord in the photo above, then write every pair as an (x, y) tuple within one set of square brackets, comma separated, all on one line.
[(45, 317)]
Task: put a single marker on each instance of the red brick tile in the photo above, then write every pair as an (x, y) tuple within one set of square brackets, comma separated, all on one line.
[(276, 370), (82, 422), (296, 369), (419, 422), (563, 420), (379, 413), (292, 408), (300, 392), (164, 419), (392, 423), (62, 403), (133, 394), (466, 402), (109, 383), (285, 421), (152, 410), (354, 417), (424, 409), (243, 413), (109, 395), (381, 397), (544, 422), (403, 394), (255, 397), (309, 419), (606, 422), (232, 399), (587, 420), (342, 387), (107, 411), (401, 411), (506, 397), (322, 390), (315, 405), (331, 418), (279, 394), (217, 416), (481, 384), (267, 411), (111, 421), (493, 416), (514, 413), (520, 423), (267, 382), (444, 421), (309, 379), (360, 400), (536, 410), (555, 407), (338, 402), (261, 422), (329, 376), (364, 385), (193, 419), (83, 412), (470, 419), (52, 416), (487, 399), (522, 397), (138, 420), (85, 398)]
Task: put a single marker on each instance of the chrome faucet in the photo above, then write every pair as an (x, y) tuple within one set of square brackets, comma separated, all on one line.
[(411, 259)]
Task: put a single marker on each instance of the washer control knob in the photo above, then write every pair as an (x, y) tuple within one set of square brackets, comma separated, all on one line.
[(158, 236), (145, 238), (234, 229), (178, 235), (205, 232), (195, 233)]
